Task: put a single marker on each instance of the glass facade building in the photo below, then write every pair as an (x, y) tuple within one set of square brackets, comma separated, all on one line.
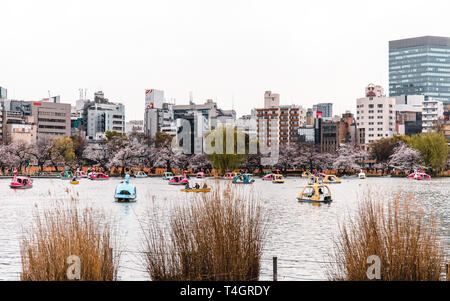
[(3, 93), (420, 66), (325, 108)]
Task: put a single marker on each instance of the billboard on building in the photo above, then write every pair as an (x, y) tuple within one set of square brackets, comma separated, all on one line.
[(318, 114), (21, 128), (154, 99)]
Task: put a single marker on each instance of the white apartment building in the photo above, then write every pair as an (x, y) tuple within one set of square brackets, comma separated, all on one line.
[(375, 115), (102, 117), (432, 111)]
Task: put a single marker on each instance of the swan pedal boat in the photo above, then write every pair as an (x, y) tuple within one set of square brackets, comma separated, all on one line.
[(361, 175), (316, 193), (331, 179), (229, 176), (140, 174), (178, 180), (125, 192), (315, 181), (66, 175), (197, 190), (21, 182), (268, 177), (244, 179), (81, 174), (167, 175), (277, 179), (419, 175), (307, 174), (98, 176)]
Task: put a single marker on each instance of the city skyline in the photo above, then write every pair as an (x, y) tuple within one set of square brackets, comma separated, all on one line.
[(230, 53)]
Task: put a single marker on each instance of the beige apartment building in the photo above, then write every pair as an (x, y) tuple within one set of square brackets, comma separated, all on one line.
[(278, 124), (52, 119)]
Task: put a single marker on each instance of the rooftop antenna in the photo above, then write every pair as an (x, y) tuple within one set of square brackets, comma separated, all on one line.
[(232, 101), (191, 98)]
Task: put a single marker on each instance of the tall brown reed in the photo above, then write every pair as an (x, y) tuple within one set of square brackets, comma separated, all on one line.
[(406, 240), (63, 231), (218, 236)]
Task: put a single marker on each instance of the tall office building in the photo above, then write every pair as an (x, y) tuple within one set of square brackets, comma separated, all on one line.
[(420, 66), (158, 116), (3, 93), (325, 108)]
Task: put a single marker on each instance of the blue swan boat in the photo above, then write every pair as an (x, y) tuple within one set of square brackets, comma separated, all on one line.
[(125, 192), (244, 179)]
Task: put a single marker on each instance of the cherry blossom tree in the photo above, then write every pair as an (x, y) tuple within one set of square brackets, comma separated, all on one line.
[(7, 159), (164, 157), (405, 158), (199, 161), (98, 153), (181, 160), (42, 151), (287, 156), (127, 156), (309, 157), (348, 157), (20, 153)]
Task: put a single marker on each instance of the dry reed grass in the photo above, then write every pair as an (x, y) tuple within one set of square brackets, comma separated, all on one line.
[(217, 237), (65, 230), (404, 237)]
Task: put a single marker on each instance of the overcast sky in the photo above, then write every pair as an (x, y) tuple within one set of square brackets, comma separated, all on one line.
[(308, 51)]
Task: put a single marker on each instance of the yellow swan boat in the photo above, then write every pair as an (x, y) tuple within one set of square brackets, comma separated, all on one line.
[(197, 190), (316, 193)]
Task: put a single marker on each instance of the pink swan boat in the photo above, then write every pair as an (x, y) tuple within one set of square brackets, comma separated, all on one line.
[(98, 176), (178, 180), (419, 175), (21, 182), (268, 177), (80, 174)]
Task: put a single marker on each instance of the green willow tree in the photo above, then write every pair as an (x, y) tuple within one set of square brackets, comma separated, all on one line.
[(63, 152), (227, 148), (433, 149)]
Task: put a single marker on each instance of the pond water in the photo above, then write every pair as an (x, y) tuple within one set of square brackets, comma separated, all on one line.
[(299, 234)]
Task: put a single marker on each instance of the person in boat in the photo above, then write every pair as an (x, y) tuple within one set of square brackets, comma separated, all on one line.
[(197, 186), (187, 186), (205, 186)]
